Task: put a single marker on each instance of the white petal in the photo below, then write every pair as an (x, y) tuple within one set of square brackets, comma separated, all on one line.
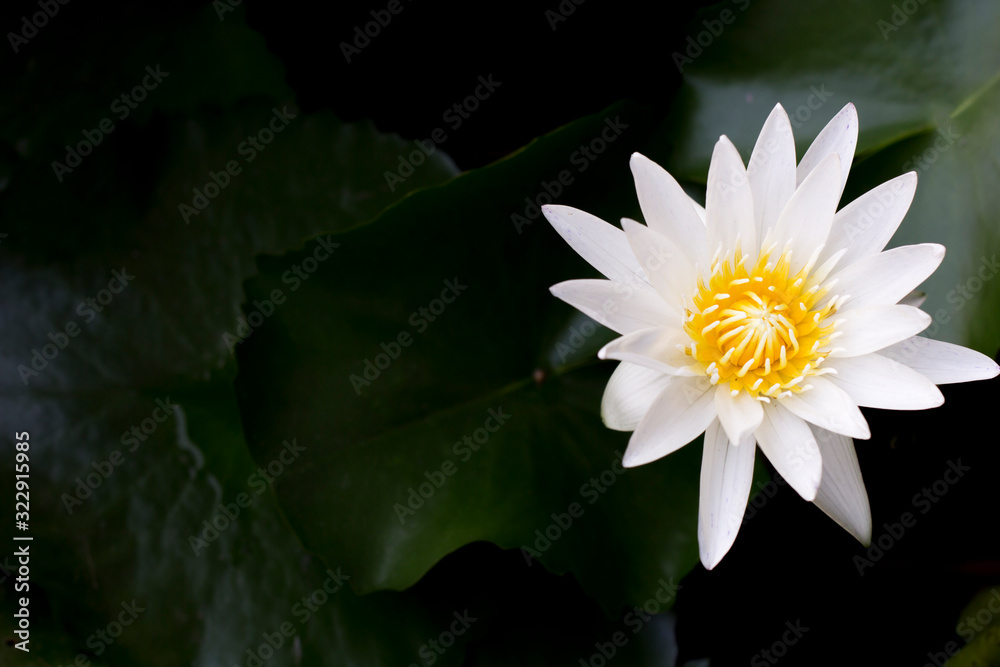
[(791, 448), (865, 226), (740, 415), (679, 414), (818, 275), (806, 220), (700, 210), (875, 381), (667, 265), (629, 395), (840, 136), (842, 493), (886, 278), (828, 406), (726, 475), (942, 363), (729, 201), (622, 308), (603, 245), (667, 208), (869, 329), (657, 348), (772, 170)]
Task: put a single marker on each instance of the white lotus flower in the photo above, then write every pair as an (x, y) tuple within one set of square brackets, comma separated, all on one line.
[(766, 317)]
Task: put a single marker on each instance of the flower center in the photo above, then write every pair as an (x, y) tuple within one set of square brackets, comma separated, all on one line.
[(760, 329)]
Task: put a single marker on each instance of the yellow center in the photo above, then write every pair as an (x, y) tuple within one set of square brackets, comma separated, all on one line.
[(760, 329)]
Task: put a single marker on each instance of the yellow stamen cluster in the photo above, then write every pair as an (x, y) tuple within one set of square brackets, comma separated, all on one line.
[(760, 329)]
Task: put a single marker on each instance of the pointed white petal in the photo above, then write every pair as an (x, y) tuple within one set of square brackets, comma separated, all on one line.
[(869, 329), (805, 221), (658, 348), (772, 171), (740, 415), (729, 201), (679, 414), (791, 448), (830, 407), (842, 493), (629, 395), (603, 245), (667, 265), (942, 363), (840, 136), (622, 308), (726, 475), (667, 208), (864, 226), (886, 278), (875, 381)]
